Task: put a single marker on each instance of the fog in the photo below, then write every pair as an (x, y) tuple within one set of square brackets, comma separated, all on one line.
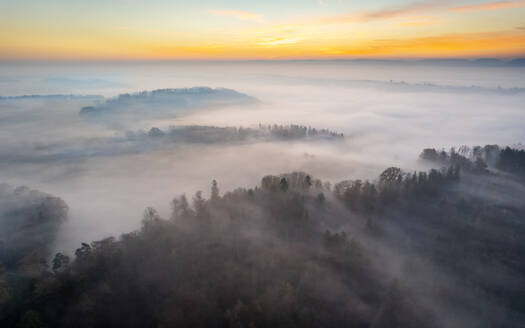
[(387, 112), (110, 140)]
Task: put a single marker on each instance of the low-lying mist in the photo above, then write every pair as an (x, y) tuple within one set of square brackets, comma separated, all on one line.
[(387, 114), (377, 225)]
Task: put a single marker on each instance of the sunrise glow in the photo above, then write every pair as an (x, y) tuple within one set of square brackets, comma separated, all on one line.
[(222, 30)]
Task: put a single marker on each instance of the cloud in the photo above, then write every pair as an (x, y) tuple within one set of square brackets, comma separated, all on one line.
[(385, 13), (420, 21), (458, 44), (239, 14), (277, 41), (491, 6)]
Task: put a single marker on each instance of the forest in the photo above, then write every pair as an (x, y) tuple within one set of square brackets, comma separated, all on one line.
[(214, 134), (435, 248), (160, 99)]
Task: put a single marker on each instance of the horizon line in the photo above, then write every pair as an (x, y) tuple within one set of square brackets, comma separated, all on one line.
[(239, 60)]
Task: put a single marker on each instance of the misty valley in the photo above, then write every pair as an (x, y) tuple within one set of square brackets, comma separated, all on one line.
[(253, 164), (287, 194), (408, 249)]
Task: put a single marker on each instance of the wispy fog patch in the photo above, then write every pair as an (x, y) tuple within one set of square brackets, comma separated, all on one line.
[(387, 113)]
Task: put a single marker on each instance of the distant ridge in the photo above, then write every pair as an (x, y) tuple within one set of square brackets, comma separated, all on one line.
[(404, 86), (401, 61), (431, 87), (180, 99), (52, 96)]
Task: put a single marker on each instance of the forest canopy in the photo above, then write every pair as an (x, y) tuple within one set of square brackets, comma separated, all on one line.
[(408, 249)]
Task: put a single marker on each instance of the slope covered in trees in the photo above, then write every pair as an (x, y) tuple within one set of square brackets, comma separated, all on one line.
[(410, 249), (478, 158), (29, 220)]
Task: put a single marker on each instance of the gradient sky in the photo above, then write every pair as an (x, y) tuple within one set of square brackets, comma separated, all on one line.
[(270, 29)]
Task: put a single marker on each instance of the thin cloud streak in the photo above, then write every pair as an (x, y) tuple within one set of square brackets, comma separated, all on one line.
[(421, 21), (239, 14), (386, 13), (496, 5), (268, 42)]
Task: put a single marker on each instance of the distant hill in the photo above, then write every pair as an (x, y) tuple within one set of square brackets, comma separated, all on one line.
[(168, 101)]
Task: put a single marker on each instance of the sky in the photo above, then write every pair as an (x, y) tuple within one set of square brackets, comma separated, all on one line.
[(270, 29)]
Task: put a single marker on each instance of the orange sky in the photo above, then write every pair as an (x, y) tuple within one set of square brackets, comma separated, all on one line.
[(161, 29)]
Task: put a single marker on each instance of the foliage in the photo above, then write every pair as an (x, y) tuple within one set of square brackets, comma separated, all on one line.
[(401, 251)]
